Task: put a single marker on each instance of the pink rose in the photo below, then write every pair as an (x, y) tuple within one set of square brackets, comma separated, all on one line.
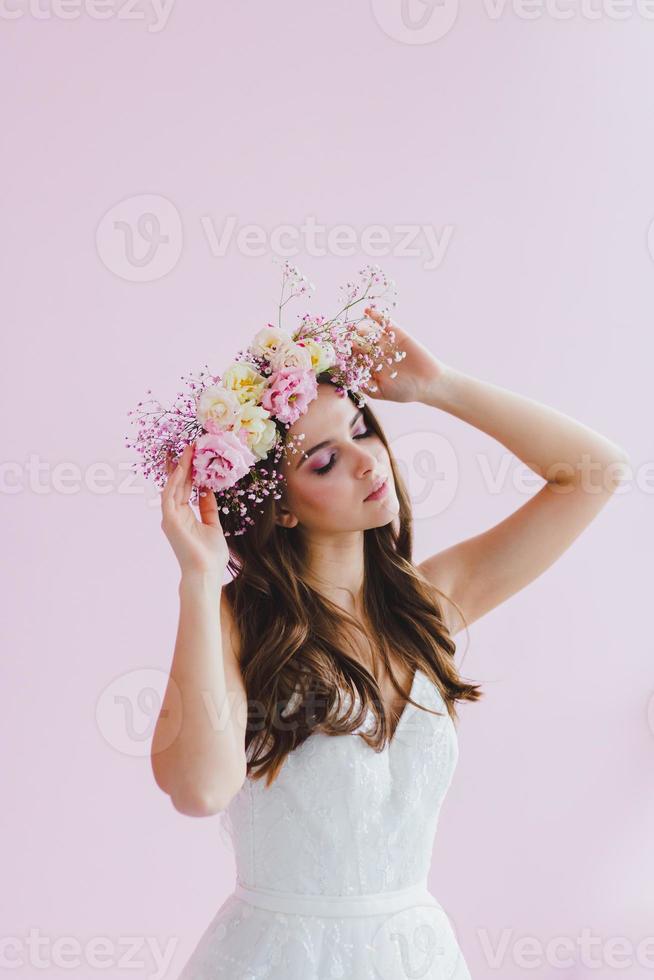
[(220, 459), (289, 393)]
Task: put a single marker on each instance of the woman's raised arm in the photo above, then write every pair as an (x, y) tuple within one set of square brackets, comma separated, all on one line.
[(198, 748)]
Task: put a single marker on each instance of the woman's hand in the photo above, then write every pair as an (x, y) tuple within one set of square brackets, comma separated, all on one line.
[(200, 545), (416, 373)]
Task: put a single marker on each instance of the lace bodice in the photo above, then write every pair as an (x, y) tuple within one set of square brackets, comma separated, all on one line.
[(343, 819)]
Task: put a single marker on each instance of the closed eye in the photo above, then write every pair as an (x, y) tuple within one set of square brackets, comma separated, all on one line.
[(325, 469)]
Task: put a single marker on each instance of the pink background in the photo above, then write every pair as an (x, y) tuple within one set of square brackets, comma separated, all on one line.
[(532, 141)]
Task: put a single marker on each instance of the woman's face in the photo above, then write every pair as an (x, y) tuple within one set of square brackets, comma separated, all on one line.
[(336, 466)]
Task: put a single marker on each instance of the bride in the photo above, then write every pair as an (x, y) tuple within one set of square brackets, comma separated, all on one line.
[(312, 699)]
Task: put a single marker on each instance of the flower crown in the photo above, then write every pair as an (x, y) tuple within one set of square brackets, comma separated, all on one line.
[(238, 420)]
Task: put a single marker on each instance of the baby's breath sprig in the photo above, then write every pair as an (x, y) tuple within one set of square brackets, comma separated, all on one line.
[(238, 421), (162, 433), (295, 280)]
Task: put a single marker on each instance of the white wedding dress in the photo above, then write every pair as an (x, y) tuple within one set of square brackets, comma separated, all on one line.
[(332, 861)]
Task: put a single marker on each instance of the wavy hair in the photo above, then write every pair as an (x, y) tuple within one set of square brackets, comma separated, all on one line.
[(293, 640)]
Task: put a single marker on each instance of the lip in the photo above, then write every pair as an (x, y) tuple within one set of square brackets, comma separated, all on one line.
[(379, 492)]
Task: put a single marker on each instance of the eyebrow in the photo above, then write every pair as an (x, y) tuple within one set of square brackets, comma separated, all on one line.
[(326, 442)]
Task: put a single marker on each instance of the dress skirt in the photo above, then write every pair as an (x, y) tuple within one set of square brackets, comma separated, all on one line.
[(259, 934)]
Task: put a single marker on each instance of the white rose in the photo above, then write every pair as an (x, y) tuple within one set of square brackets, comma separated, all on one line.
[(218, 404), (322, 353), (245, 381), (266, 440), (269, 340), (291, 355), (261, 431)]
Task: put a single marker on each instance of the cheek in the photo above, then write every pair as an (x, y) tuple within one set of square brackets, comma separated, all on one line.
[(319, 492), (323, 494)]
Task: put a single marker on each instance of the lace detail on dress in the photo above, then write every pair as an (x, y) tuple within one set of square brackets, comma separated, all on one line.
[(341, 819), (244, 943)]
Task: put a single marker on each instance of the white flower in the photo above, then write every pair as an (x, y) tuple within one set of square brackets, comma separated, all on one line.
[(266, 440), (291, 355), (322, 353), (218, 404), (261, 431), (269, 340), (245, 381)]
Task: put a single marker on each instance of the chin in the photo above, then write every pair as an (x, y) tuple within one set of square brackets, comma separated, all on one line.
[(385, 516)]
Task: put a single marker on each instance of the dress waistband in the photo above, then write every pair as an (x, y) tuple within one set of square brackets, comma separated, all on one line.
[(364, 904)]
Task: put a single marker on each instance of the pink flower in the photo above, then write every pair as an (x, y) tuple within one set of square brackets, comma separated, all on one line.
[(289, 393), (220, 459)]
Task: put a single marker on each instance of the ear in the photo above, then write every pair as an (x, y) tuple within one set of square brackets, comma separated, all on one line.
[(284, 517)]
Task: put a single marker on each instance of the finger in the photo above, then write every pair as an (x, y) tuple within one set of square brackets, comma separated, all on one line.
[(188, 483), (172, 463), (373, 314), (383, 322), (165, 492), (364, 332), (182, 477), (208, 508), (173, 470)]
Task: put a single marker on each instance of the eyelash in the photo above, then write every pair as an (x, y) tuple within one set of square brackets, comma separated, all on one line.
[(328, 466)]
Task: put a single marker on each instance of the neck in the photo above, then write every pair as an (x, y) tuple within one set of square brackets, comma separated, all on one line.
[(335, 568)]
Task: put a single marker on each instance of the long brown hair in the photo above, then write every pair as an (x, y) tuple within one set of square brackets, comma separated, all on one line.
[(293, 640)]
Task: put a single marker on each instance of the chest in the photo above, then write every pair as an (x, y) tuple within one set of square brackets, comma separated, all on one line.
[(392, 703)]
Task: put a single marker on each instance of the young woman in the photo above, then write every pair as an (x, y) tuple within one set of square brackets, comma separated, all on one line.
[(311, 700)]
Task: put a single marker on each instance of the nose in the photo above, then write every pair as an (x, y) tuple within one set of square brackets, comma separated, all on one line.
[(366, 460)]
